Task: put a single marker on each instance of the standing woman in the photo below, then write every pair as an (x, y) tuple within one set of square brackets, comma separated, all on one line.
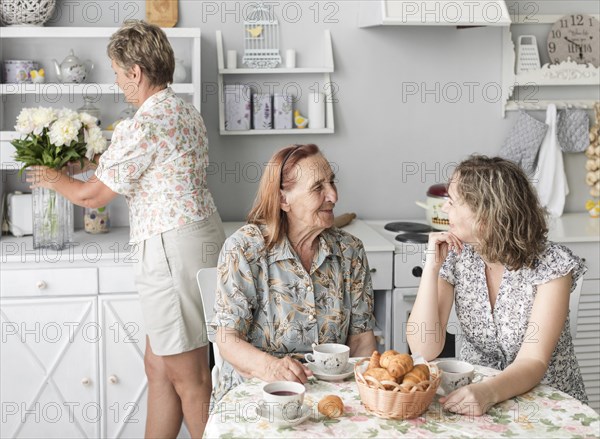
[(157, 160), (510, 286)]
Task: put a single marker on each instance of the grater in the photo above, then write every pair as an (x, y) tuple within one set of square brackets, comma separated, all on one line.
[(528, 57)]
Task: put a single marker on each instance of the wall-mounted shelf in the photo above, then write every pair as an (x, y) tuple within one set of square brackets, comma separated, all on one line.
[(326, 69), (524, 85), (43, 44)]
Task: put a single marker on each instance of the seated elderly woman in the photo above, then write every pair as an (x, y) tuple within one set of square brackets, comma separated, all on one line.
[(289, 279)]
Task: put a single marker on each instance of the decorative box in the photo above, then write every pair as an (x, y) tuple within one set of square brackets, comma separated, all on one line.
[(263, 111), (237, 107), (283, 111)]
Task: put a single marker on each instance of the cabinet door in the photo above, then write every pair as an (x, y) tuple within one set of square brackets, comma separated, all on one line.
[(124, 385), (48, 368)]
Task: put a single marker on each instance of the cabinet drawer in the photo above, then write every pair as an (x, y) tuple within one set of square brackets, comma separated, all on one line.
[(48, 282), (381, 265), (588, 251), (117, 280)]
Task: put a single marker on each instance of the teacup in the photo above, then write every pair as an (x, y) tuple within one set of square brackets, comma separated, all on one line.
[(330, 358), (283, 399), (456, 374)]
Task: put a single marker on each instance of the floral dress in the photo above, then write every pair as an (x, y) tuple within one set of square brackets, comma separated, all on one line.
[(279, 307), (494, 338), (158, 161)]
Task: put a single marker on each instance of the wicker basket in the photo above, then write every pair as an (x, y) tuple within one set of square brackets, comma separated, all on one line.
[(399, 403), (26, 12)]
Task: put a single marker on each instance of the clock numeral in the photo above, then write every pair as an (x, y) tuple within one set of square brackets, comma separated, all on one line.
[(564, 23), (577, 20), (591, 22), (552, 47), (556, 34)]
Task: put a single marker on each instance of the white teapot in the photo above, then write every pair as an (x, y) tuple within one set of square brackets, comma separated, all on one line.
[(72, 69)]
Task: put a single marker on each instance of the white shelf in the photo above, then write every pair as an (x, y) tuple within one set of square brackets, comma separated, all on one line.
[(566, 74), (326, 69), (276, 71), (271, 132), (84, 32), (50, 89)]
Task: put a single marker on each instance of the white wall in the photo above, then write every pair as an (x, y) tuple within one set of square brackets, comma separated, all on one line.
[(388, 146)]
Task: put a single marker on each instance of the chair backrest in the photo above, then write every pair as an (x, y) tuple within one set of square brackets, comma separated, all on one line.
[(574, 306), (207, 283)]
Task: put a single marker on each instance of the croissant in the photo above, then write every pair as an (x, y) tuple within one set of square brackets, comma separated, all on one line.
[(374, 361), (331, 406), (418, 374), (385, 357), (380, 374), (399, 365)]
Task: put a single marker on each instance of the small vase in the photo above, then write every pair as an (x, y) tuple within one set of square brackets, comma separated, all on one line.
[(96, 220), (52, 219)]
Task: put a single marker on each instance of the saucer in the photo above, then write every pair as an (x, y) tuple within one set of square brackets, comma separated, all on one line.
[(263, 413), (331, 377)]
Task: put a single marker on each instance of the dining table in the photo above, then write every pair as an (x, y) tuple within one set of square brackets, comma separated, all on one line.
[(541, 412)]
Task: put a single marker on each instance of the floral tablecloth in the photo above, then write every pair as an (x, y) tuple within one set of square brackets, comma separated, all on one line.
[(542, 412)]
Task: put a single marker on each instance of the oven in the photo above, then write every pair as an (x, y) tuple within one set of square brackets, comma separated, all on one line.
[(409, 250)]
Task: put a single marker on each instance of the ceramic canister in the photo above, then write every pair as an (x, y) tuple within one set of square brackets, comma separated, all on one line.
[(17, 71)]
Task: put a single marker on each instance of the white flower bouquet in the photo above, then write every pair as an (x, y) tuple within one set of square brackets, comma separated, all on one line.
[(53, 138)]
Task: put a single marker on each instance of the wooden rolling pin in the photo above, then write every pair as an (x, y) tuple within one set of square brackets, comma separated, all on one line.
[(343, 220)]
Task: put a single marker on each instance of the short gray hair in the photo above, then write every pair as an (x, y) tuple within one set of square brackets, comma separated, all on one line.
[(144, 44)]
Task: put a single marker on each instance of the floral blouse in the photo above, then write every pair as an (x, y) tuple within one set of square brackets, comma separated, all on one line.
[(157, 160), (270, 299), (493, 338)]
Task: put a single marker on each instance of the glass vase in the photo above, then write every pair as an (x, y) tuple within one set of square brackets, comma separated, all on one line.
[(52, 219)]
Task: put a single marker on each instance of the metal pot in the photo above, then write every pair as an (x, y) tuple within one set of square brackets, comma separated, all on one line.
[(437, 195)]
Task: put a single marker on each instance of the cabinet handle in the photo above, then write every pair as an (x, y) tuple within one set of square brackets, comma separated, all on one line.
[(373, 270), (41, 285), (113, 379), (86, 381)]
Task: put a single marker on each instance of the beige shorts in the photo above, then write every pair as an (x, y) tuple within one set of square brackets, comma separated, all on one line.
[(166, 281)]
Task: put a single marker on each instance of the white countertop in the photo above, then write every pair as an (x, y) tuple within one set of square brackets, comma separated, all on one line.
[(112, 246)]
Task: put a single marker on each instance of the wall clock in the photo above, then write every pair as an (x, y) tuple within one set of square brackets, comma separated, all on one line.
[(575, 36)]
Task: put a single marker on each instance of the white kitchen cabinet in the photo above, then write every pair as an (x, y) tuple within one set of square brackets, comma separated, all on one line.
[(49, 367), (124, 388), (241, 75), (43, 44), (587, 341)]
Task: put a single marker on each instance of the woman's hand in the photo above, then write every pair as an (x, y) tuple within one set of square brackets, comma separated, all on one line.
[(440, 243), (42, 176), (472, 400), (286, 369)]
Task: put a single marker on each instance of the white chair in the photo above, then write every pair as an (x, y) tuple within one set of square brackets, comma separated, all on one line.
[(574, 306), (207, 283)]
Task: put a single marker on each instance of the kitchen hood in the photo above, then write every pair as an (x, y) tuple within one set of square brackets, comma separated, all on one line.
[(458, 13)]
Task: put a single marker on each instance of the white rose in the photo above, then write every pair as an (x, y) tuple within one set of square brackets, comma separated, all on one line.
[(64, 131), (24, 121), (42, 118), (95, 143), (88, 120)]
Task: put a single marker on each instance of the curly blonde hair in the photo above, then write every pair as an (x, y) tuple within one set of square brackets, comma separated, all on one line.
[(146, 45), (509, 219)]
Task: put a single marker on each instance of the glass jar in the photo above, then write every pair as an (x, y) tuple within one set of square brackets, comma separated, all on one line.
[(89, 108), (96, 220), (128, 112)]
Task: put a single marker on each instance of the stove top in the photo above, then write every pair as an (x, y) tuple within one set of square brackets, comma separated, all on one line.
[(405, 226), (413, 238)]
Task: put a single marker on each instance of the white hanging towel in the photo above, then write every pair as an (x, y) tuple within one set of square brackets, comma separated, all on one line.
[(549, 178)]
